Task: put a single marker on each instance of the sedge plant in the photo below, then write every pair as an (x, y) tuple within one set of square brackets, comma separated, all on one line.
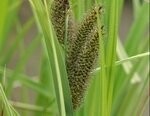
[(85, 68)]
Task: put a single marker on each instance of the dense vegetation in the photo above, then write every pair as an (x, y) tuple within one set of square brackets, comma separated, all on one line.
[(117, 85)]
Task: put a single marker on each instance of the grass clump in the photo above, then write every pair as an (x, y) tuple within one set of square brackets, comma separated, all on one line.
[(77, 62)]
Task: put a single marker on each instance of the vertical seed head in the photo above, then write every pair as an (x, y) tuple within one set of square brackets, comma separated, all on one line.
[(82, 43)]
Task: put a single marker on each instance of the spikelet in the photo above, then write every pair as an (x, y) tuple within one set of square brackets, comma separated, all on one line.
[(59, 10), (79, 75)]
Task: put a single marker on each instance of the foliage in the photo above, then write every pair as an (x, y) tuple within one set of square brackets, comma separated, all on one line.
[(119, 82)]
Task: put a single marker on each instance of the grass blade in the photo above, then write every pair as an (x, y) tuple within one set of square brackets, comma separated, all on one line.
[(55, 58)]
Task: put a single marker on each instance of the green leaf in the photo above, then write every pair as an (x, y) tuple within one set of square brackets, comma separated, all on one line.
[(7, 109), (55, 56)]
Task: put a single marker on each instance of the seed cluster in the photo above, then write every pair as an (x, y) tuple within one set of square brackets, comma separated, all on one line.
[(82, 45)]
